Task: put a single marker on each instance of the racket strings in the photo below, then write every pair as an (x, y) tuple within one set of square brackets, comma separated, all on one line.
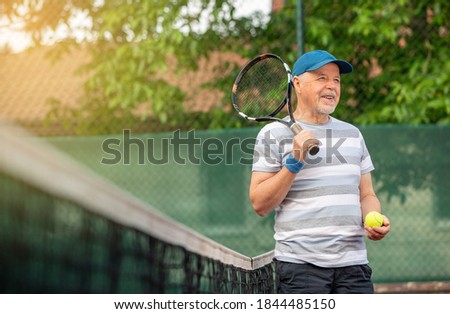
[(262, 89)]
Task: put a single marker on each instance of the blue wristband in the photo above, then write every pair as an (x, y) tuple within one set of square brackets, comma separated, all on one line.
[(293, 165)]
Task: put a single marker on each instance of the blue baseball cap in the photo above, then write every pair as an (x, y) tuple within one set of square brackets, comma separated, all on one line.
[(315, 59)]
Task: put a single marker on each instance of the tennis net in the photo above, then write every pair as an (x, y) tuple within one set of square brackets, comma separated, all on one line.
[(64, 229)]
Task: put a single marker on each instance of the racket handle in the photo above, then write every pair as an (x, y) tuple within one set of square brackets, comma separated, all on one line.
[(295, 128), (312, 144)]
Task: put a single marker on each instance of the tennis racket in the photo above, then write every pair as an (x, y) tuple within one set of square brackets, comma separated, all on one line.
[(261, 90)]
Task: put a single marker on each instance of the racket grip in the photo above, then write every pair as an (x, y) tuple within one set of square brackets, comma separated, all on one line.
[(312, 144)]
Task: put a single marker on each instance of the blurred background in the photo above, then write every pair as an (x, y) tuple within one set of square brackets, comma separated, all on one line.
[(139, 92)]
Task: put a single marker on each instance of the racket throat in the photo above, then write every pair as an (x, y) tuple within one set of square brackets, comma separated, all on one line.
[(246, 117)]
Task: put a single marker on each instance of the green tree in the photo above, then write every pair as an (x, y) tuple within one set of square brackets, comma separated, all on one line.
[(131, 43), (399, 51)]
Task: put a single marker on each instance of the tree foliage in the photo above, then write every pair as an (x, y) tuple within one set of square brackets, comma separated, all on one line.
[(399, 50)]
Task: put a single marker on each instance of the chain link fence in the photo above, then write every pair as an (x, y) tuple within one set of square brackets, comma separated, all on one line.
[(201, 176)]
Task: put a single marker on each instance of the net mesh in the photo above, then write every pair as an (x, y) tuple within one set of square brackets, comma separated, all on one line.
[(56, 244), (262, 89)]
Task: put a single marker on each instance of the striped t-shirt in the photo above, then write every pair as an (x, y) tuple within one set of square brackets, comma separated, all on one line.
[(319, 221)]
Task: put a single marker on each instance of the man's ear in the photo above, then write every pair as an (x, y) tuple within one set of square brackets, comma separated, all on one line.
[(296, 84)]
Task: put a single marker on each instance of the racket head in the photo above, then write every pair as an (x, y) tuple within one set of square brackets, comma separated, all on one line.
[(262, 88)]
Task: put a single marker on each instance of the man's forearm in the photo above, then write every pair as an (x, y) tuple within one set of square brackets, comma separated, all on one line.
[(267, 194), (370, 203)]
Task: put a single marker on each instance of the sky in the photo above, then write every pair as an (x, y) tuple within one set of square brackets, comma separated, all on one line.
[(249, 6), (17, 41)]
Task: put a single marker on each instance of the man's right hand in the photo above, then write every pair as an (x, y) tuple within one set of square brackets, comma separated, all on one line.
[(302, 141)]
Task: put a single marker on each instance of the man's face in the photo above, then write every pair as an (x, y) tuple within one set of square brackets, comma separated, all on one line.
[(320, 90)]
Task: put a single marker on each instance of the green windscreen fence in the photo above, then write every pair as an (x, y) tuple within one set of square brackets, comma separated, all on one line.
[(201, 179)]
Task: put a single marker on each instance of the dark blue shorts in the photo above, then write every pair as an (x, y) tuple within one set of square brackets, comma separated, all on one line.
[(307, 278)]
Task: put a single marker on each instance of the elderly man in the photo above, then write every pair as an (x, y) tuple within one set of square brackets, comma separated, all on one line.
[(320, 201)]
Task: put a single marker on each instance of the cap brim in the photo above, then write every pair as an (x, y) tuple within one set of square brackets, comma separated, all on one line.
[(344, 66)]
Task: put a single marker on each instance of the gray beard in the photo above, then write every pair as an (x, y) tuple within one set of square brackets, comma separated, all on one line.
[(325, 111)]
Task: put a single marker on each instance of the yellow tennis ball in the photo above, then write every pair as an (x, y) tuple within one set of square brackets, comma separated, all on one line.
[(373, 219)]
